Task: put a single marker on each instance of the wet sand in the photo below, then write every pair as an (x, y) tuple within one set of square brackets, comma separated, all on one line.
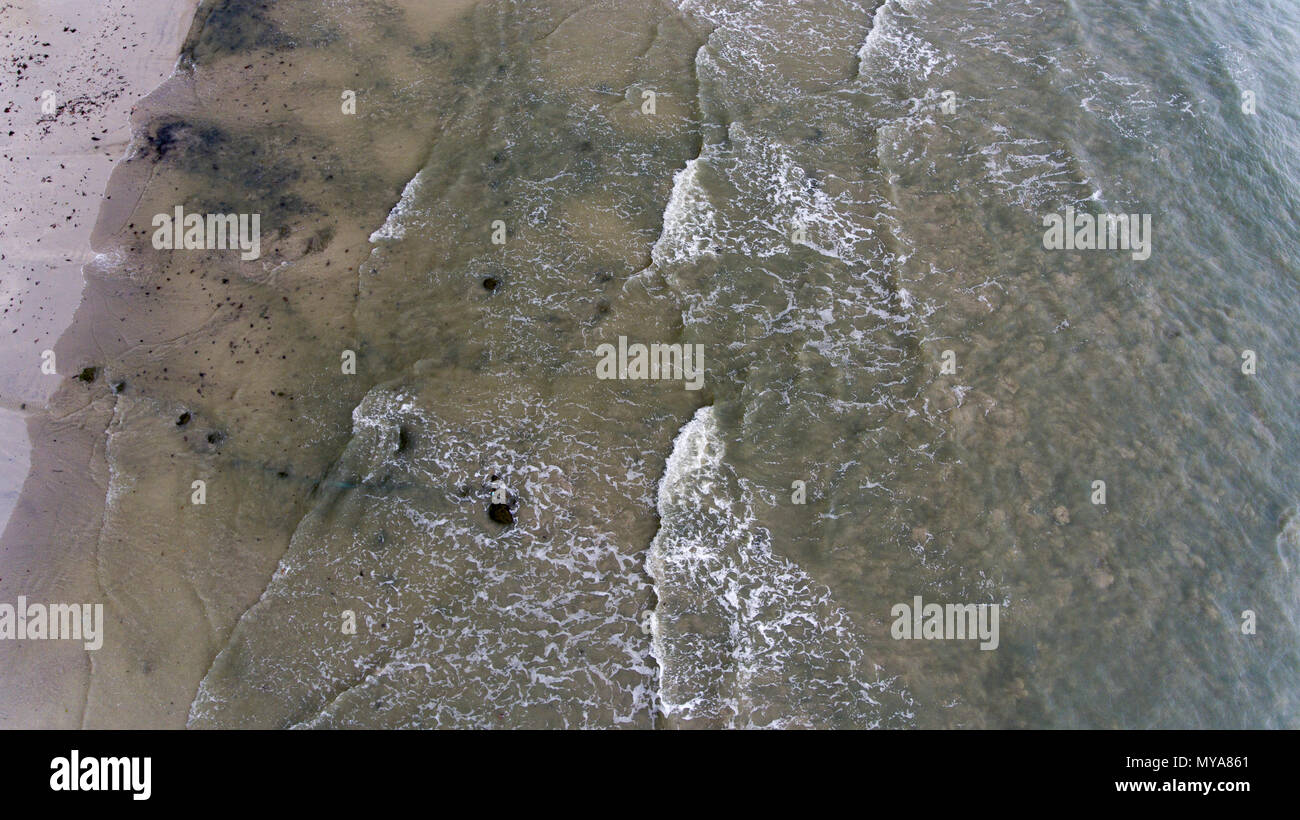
[(175, 576)]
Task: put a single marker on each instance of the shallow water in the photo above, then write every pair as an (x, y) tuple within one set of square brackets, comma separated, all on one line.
[(809, 205)]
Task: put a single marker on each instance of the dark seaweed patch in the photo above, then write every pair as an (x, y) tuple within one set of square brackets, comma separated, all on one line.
[(320, 240), (434, 48), (167, 134), (244, 173), (234, 26), (162, 140)]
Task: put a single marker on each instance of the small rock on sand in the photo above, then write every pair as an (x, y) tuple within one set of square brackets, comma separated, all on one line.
[(501, 514)]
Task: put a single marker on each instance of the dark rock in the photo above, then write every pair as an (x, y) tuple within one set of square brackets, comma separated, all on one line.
[(501, 514), (490, 284), (88, 374)]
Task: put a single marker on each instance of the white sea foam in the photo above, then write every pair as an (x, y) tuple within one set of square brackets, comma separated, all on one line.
[(463, 621), (892, 51), (743, 637), (689, 221), (403, 212)]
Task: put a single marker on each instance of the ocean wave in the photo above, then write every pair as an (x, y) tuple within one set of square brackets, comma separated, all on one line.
[(461, 622), (743, 637)]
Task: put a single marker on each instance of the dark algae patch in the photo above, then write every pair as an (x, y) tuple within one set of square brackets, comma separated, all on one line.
[(232, 27)]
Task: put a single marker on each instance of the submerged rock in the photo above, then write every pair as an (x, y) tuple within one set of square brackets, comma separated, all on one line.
[(501, 514)]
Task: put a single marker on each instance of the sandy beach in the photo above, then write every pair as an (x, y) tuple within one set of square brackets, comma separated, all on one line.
[(95, 522), (74, 71)]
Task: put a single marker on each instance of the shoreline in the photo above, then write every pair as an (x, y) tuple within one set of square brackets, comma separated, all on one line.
[(99, 60), (105, 514)]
